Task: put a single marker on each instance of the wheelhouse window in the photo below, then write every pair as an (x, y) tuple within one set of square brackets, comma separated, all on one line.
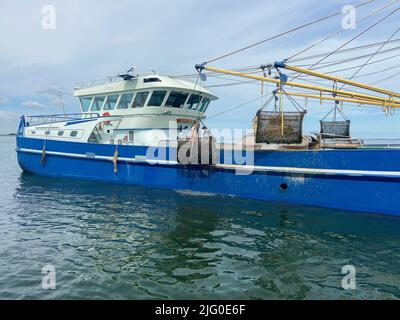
[(140, 99), (147, 80), (111, 102), (204, 104), (85, 104), (176, 99), (157, 98), (193, 102), (125, 101), (97, 103)]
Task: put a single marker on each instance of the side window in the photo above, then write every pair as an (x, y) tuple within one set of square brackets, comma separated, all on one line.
[(140, 99), (73, 134), (176, 99), (85, 104), (125, 101), (204, 104), (97, 103), (111, 102), (193, 102), (60, 133), (157, 98)]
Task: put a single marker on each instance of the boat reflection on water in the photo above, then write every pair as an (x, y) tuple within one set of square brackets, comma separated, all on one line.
[(116, 241)]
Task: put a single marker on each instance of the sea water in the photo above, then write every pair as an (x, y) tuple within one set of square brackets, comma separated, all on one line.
[(107, 241)]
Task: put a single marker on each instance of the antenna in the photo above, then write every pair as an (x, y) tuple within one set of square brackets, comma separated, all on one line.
[(61, 102), (131, 70), (129, 75)]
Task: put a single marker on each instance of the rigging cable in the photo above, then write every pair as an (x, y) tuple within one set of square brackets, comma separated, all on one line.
[(340, 31), (365, 46), (294, 102), (256, 68), (352, 39), (286, 32), (376, 72), (351, 68), (372, 56), (385, 79), (335, 62), (239, 106)]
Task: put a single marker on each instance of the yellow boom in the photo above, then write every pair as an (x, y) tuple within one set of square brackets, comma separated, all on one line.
[(354, 97), (340, 99), (336, 79)]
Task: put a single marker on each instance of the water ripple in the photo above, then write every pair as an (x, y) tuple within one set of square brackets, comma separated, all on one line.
[(126, 242)]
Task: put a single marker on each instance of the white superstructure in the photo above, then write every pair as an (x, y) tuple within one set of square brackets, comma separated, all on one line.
[(127, 110)]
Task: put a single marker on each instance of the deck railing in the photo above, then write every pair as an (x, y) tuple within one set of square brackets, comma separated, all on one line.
[(111, 79), (381, 143), (53, 118), (94, 83)]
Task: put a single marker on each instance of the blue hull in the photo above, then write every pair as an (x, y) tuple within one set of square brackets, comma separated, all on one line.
[(362, 192)]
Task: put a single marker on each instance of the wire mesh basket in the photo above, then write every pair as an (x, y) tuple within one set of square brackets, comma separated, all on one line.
[(335, 129), (279, 127)]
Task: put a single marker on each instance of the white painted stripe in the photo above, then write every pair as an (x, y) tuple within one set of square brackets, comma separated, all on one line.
[(309, 170), (84, 156), (242, 168)]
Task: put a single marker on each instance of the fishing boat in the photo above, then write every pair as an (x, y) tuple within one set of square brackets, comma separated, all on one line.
[(149, 130)]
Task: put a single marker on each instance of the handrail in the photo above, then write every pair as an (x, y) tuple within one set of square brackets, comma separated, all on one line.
[(111, 79), (94, 83), (68, 115), (42, 119)]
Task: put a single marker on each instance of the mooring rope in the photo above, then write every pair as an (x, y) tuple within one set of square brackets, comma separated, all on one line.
[(115, 159), (43, 159)]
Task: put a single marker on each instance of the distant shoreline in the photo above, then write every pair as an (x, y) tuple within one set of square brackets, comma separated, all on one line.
[(8, 134)]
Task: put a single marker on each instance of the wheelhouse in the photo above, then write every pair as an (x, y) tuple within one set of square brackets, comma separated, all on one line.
[(143, 94), (155, 98)]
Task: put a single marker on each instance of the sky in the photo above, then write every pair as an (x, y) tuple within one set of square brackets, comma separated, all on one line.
[(95, 39)]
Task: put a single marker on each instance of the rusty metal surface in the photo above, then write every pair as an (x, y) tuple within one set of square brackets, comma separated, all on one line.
[(269, 127), (340, 129)]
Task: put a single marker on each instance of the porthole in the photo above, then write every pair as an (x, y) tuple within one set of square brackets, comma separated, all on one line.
[(284, 186)]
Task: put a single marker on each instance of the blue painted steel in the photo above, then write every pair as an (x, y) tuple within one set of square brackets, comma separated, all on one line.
[(283, 77), (280, 64), (94, 148), (342, 191), (345, 159)]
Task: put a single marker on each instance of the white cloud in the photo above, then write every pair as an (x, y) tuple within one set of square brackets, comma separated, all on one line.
[(3, 100), (33, 105)]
